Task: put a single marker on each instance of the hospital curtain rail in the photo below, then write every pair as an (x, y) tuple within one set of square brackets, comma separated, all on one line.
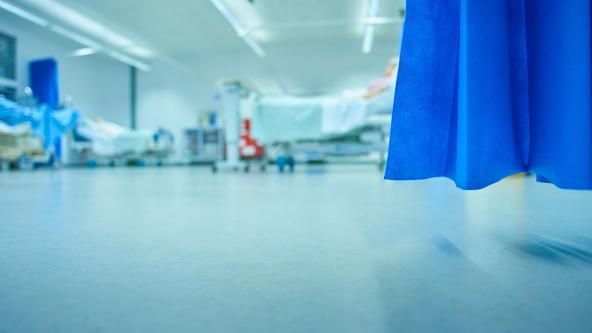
[(491, 88)]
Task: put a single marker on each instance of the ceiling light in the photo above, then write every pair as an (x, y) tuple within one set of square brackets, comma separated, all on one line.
[(238, 28), (91, 44), (254, 46), (90, 27), (74, 36), (85, 51), (368, 39), (80, 22), (23, 14), (382, 20), (139, 51), (369, 29)]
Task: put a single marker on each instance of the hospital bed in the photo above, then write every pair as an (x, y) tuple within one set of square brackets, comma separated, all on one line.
[(351, 129), (95, 142), (20, 147), (29, 133)]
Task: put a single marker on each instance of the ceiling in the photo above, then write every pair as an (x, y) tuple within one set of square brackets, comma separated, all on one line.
[(312, 46), (181, 28)]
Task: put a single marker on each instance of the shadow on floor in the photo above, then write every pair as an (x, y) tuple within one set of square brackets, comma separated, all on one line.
[(555, 250), (447, 247)]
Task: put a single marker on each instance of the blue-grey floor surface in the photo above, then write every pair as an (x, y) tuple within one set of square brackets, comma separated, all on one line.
[(322, 250)]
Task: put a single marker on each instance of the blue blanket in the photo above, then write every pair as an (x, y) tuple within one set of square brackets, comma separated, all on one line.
[(491, 88), (47, 123)]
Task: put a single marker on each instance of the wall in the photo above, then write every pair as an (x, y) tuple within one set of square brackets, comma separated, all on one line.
[(98, 85)]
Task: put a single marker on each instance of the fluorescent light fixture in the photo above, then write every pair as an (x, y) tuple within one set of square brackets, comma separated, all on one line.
[(91, 46), (85, 51), (238, 28), (254, 46), (369, 29), (80, 22), (368, 39), (23, 14), (95, 46), (139, 51), (74, 37), (382, 20), (229, 17)]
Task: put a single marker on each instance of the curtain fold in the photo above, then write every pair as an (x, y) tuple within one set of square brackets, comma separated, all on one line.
[(491, 88)]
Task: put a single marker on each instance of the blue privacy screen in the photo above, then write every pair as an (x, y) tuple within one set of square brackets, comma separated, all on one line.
[(491, 88), (43, 79)]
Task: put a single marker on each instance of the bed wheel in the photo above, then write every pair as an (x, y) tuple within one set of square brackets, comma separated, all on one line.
[(381, 166)]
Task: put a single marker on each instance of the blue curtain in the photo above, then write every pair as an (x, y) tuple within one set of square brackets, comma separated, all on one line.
[(491, 88), (43, 79)]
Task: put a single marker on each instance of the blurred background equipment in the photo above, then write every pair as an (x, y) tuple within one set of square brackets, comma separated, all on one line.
[(135, 81)]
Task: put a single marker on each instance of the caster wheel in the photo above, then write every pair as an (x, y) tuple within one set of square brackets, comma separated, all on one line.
[(214, 169), (263, 168), (91, 164), (247, 169)]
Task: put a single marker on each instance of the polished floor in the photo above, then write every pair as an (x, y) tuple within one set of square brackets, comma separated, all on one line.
[(322, 250)]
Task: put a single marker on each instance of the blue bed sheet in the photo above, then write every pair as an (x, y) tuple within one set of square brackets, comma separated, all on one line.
[(47, 123)]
